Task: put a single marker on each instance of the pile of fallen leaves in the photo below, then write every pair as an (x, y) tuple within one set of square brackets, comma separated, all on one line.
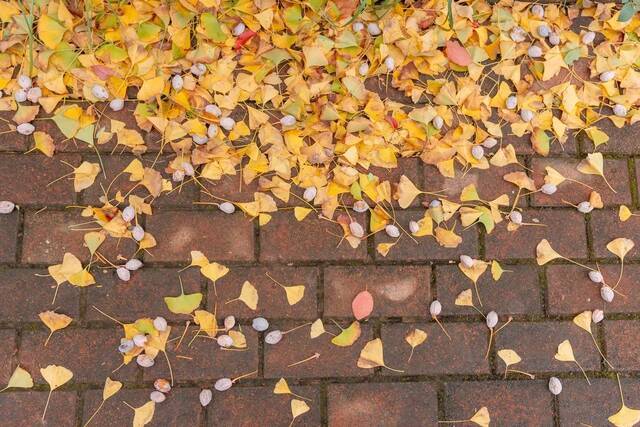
[(281, 93)]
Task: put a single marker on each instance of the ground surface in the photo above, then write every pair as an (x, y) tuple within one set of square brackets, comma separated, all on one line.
[(445, 380)]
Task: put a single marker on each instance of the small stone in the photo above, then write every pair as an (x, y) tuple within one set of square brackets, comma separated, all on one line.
[(554, 39), (260, 324), (288, 120), (435, 203), (358, 26), (467, 261), (489, 143), (100, 92), (526, 115), (517, 34), (229, 322), (140, 340), (25, 128), (549, 189), (200, 139), (515, 217), (128, 213), (437, 122), (123, 274), (511, 102), (555, 386), (20, 95), (595, 276), (137, 233), (198, 69), (145, 361), (363, 69), (477, 151), (213, 109), (126, 345), (544, 31), (177, 176), (116, 104), (356, 229), (620, 110), (607, 76), (309, 193), (227, 123), (390, 63), (597, 315), (588, 37), (157, 397), (34, 94), (188, 169), (435, 308), (205, 397), (212, 131), (414, 227), (239, 29), (492, 319), (534, 51), (6, 207), (374, 29), (537, 10), (585, 207), (227, 207), (162, 385), (223, 384), (273, 337), (392, 231), (177, 82), (24, 81), (133, 264), (360, 206), (607, 293), (225, 341), (160, 323)]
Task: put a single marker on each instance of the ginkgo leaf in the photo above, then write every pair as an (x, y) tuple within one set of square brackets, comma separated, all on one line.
[(362, 305), (183, 303), (55, 376), (481, 417), (583, 320), (406, 192), (20, 378), (620, 247), (301, 212), (594, 165), (624, 213), (54, 321), (414, 338), (144, 414), (625, 417), (565, 352), (298, 407), (545, 253), (372, 356), (347, 336), (248, 295), (465, 298), (214, 271), (111, 387), (317, 329), (206, 321), (84, 175), (93, 240), (294, 293), (509, 357), (282, 387), (496, 270), (44, 143)]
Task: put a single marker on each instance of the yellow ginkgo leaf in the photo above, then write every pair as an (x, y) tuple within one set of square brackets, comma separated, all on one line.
[(565, 352), (406, 192), (84, 175), (50, 31), (248, 295), (624, 213), (298, 407), (469, 193), (475, 271), (294, 293), (348, 336), (317, 329), (509, 357), (625, 417), (583, 320), (282, 387), (44, 143), (620, 246), (464, 298), (447, 238), (206, 322), (414, 338), (553, 176), (301, 212), (594, 165), (20, 378), (545, 253), (93, 240), (496, 270), (214, 271), (151, 88), (55, 376), (183, 303), (144, 414), (111, 387), (372, 356), (54, 321), (481, 417)]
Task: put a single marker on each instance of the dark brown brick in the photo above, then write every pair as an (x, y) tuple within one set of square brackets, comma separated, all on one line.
[(622, 141), (7, 353), (537, 343), (564, 229), (49, 234), (426, 248), (605, 226), (522, 144), (616, 171), (27, 292), (24, 409), (313, 239), (91, 354), (489, 182), (517, 291), (181, 407), (510, 403), (620, 336), (27, 178), (229, 187), (142, 295), (204, 359), (219, 236), (273, 300), (389, 404), (570, 291), (9, 231), (10, 141), (295, 346), (397, 290), (242, 406), (577, 400), (464, 354)]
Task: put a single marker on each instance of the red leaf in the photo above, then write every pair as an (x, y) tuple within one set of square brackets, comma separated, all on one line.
[(457, 53), (392, 121), (362, 305), (244, 38), (102, 71)]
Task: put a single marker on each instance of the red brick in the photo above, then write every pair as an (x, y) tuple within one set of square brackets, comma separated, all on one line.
[(510, 403), (295, 346), (389, 404), (616, 171), (251, 406), (570, 291), (219, 236), (620, 336), (522, 144), (537, 343), (427, 248), (229, 187), (9, 231), (11, 141), (489, 182), (273, 301), (24, 409), (564, 229), (285, 239), (27, 177), (91, 354), (49, 234), (397, 290), (464, 354), (577, 402), (141, 296), (622, 141), (26, 292), (517, 291), (605, 226), (181, 407), (7, 353), (205, 360)]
